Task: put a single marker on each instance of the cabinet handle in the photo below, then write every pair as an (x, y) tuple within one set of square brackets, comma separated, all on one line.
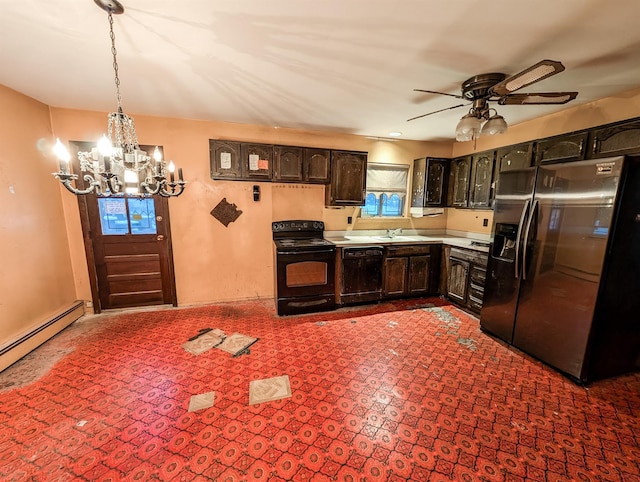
[(595, 145), (581, 146)]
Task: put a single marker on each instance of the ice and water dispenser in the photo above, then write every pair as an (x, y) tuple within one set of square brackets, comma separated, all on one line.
[(504, 241)]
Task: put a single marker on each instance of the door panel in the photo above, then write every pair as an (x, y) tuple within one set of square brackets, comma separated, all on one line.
[(511, 210), (128, 245), (574, 206)]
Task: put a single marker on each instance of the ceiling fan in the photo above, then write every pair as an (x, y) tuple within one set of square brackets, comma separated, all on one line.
[(497, 87)]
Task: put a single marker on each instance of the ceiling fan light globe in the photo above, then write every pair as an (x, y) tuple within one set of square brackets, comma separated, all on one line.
[(495, 125), (468, 128)]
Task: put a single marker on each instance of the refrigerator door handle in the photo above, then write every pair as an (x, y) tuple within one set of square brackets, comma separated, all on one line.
[(526, 238), (518, 236)]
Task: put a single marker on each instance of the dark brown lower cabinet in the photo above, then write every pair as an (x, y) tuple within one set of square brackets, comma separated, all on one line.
[(465, 278), (410, 270)]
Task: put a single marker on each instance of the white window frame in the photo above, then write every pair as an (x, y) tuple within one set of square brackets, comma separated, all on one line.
[(388, 186)]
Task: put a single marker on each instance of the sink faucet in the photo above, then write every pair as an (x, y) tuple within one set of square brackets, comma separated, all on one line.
[(391, 233)]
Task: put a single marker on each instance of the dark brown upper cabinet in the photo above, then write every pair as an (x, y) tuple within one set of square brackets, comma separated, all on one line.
[(225, 158), (257, 161), (287, 164), (429, 183), (568, 147), (519, 156), (459, 179), (317, 165), (348, 179), (480, 188), (614, 140)]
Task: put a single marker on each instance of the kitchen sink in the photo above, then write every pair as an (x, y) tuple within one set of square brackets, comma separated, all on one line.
[(397, 238)]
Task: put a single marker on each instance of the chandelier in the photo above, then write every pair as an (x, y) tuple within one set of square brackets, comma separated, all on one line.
[(117, 165), (480, 122)]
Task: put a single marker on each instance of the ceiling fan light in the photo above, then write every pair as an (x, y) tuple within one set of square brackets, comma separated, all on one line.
[(495, 125), (468, 128)]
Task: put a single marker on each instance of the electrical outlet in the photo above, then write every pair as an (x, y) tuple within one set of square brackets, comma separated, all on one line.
[(485, 222), (349, 219)]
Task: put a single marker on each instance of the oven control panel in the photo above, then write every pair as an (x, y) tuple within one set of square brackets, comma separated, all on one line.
[(289, 226)]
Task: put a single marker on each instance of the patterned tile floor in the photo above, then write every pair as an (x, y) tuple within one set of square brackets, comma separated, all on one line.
[(396, 391)]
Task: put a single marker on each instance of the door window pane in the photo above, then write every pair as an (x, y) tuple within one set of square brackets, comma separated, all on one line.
[(113, 215), (142, 215), (121, 215)]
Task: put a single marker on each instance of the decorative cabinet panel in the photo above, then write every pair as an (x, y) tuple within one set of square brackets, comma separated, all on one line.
[(411, 270), (418, 277), (257, 161), (429, 183), (459, 179), (287, 164), (570, 147), (348, 179), (395, 276), (225, 159), (615, 140), (457, 280), (514, 157), (481, 180), (317, 166), (466, 277)]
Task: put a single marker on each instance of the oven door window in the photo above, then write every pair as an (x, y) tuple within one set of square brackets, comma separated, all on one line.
[(306, 273)]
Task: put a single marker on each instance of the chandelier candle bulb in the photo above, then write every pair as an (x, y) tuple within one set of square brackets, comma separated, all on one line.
[(180, 174), (63, 156)]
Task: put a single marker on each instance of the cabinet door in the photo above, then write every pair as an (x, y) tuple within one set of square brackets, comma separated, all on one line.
[(419, 275), (481, 179), (514, 157), (317, 164), (418, 182), (257, 161), (288, 164), (348, 179), (395, 276), (459, 182), (615, 140), (569, 147), (457, 280), (224, 157), (436, 182)]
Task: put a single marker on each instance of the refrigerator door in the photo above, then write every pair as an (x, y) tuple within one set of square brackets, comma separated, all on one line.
[(565, 244), (511, 211)]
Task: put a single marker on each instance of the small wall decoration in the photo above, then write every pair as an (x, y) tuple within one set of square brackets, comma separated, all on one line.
[(226, 213)]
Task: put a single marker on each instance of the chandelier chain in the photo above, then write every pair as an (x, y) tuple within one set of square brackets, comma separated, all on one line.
[(114, 52)]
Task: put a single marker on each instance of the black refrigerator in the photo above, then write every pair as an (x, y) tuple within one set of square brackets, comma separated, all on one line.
[(563, 277)]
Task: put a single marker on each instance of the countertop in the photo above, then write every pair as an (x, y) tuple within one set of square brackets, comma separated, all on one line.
[(382, 240)]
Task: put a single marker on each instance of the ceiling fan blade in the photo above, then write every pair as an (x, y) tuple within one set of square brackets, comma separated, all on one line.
[(535, 73), (436, 111), (538, 98), (440, 93)]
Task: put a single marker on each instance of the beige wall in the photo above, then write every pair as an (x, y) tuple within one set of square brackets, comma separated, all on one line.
[(36, 280), (218, 263), (213, 262)]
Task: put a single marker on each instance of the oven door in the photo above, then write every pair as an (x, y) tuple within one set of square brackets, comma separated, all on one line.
[(305, 280)]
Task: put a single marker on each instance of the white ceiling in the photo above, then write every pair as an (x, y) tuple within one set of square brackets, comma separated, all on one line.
[(340, 65)]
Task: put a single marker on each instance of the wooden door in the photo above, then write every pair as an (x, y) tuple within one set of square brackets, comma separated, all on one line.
[(317, 165), (481, 179), (348, 179), (225, 159), (458, 280), (419, 275), (459, 178), (288, 164), (435, 185), (395, 276), (128, 245)]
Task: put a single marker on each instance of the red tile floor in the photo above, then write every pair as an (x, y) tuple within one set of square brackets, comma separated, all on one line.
[(396, 391)]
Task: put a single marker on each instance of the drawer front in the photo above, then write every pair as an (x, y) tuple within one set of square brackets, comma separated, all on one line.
[(478, 275), (408, 250), (471, 256)]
